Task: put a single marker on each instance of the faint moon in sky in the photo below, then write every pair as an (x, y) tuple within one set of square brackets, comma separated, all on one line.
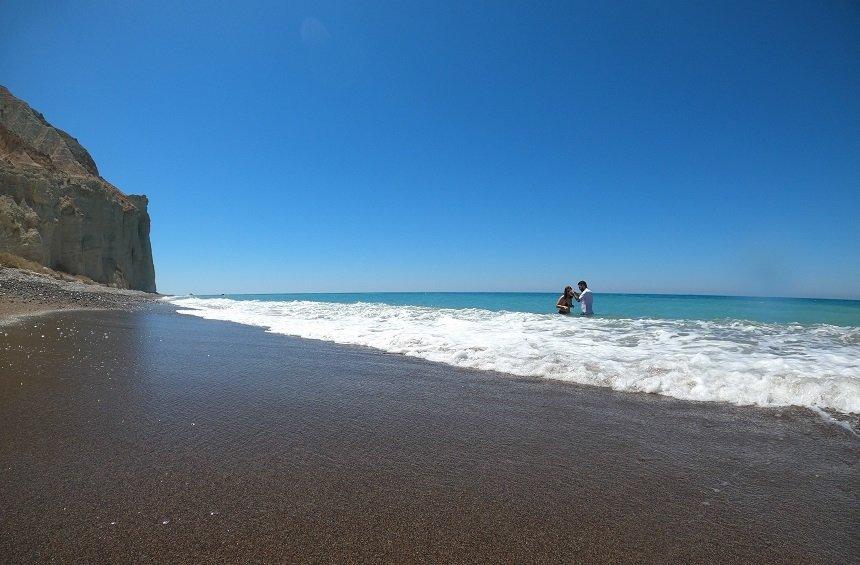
[(314, 32)]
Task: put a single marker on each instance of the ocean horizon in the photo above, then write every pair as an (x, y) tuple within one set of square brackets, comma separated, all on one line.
[(781, 309)]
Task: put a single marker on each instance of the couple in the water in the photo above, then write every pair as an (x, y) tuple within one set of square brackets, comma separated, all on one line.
[(584, 297)]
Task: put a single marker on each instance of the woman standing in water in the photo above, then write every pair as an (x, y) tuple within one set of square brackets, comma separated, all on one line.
[(565, 302)]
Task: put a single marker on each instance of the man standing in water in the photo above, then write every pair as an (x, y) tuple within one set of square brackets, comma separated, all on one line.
[(585, 297)]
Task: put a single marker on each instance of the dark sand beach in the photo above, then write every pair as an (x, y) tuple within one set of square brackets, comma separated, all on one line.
[(152, 437)]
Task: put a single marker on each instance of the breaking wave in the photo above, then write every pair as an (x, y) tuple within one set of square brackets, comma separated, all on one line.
[(728, 360)]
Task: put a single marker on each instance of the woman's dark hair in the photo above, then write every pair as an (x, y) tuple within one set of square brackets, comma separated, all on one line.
[(568, 289)]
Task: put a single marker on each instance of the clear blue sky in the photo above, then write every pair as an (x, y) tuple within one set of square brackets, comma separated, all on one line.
[(313, 146)]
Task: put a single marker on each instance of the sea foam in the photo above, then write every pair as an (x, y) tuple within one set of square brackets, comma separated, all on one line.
[(731, 360)]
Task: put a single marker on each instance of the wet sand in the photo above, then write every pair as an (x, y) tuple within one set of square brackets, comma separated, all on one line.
[(149, 436)]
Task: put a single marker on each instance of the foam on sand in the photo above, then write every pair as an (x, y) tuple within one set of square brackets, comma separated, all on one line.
[(733, 361)]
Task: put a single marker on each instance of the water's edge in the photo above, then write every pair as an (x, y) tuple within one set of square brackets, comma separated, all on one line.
[(733, 361)]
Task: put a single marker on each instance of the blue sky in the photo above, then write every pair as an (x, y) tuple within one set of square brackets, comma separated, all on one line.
[(313, 146)]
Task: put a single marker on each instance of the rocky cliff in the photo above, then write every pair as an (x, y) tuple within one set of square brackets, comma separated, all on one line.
[(57, 210)]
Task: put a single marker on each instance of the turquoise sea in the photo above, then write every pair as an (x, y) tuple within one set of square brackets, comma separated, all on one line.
[(655, 306)]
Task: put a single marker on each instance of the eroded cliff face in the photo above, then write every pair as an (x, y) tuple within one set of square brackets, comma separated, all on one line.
[(55, 208)]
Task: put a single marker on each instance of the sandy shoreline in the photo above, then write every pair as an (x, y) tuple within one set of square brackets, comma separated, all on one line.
[(149, 436)]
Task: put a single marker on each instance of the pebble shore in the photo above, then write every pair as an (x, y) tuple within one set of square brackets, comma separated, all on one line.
[(24, 293)]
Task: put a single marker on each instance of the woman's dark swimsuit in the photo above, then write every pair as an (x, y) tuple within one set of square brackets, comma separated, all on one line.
[(566, 309)]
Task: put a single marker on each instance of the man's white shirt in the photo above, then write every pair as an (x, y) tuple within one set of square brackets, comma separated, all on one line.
[(587, 301)]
